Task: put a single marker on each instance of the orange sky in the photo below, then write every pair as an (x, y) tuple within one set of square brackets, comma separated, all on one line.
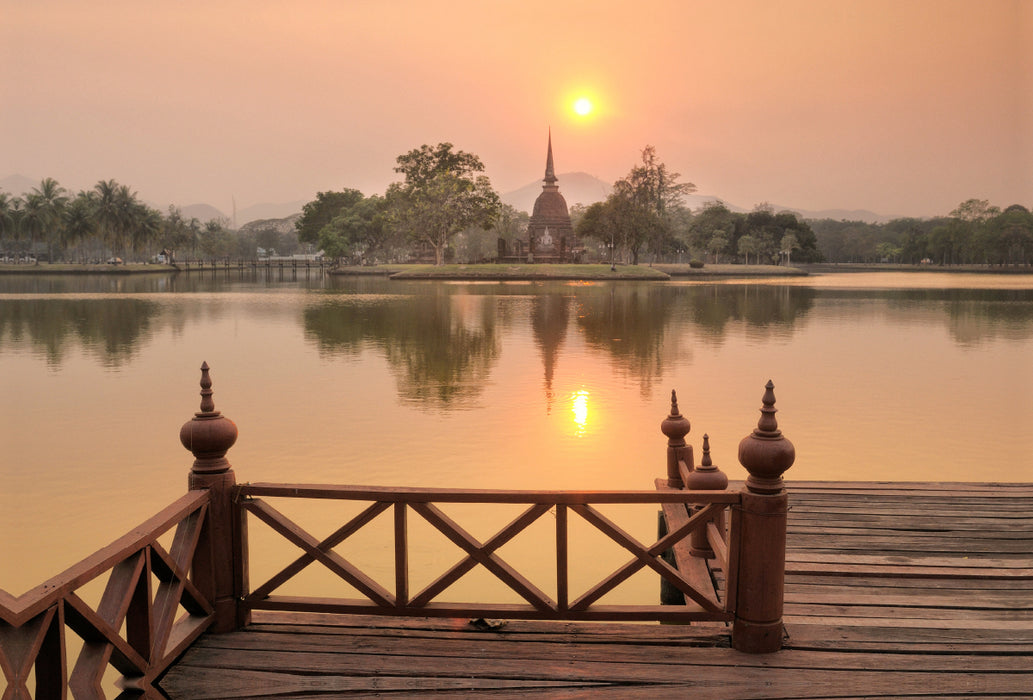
[(904, 107)]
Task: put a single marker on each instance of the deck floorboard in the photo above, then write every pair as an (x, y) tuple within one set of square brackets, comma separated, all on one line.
[(892, 590)]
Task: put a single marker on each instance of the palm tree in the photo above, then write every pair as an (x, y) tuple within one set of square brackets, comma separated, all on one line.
[(79, 221), (10, 213), (51, 200)]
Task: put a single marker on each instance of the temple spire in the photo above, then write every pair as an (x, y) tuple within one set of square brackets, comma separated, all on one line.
[(550, 171)]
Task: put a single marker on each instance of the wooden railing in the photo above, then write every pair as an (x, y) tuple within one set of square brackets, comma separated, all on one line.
[(709, 533), (702, 602), (137, 627)]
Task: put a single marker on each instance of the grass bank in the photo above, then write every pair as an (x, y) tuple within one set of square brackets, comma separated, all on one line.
[(512, 272), (685, 270)]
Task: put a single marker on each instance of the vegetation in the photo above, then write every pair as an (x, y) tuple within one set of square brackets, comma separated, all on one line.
[(442, 194), (974, 233), (445, 210), (105, 223), (642, 211)]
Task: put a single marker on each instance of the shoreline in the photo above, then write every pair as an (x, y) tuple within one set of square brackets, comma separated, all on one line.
[(540, 272)]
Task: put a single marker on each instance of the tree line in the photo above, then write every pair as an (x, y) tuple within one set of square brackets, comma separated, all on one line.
[(106, 223), (444, 208), (974, 233)]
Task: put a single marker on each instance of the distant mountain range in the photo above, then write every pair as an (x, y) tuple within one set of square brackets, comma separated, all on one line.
[(576, 188)]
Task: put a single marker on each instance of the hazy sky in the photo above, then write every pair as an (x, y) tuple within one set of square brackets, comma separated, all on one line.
[(904, 107)]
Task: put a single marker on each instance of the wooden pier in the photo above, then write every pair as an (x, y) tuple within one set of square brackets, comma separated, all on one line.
[(821, 590), (892, 590)]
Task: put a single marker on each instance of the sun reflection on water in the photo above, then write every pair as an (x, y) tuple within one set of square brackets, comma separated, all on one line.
[(579, 407)]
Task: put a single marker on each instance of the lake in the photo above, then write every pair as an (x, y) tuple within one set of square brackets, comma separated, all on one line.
[(878, 376)]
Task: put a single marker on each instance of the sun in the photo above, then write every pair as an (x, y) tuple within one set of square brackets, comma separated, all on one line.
[(583, 106)]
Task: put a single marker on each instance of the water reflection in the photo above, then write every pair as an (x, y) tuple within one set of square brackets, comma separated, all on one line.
[(441, 348), (109, 329), (775, 308), (443, 341), (549, 319)]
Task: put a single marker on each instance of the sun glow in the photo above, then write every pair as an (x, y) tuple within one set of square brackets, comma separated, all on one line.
[(579, 407), (583, 106)]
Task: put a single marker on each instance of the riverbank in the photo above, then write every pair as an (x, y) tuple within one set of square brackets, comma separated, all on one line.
[(827, 268), (566, 272), (80, 269)]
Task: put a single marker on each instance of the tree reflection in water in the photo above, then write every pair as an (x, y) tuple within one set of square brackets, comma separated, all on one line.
[(440, 347), (110, 329)]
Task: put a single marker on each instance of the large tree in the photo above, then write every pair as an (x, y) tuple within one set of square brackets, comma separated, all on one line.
[(642, 208), (357, 232), (321, 211), (441, 195)]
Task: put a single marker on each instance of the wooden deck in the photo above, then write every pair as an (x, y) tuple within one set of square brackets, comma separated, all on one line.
[(892, 590)]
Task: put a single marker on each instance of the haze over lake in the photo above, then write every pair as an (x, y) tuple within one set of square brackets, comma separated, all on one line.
[(489, 385)]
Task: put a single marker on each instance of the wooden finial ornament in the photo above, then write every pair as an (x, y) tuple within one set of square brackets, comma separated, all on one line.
[(676, 427), (209, 434), (766, 453)]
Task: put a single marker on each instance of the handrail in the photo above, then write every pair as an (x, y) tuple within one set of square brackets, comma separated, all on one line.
[(406, 494), (703, 603), (136, 627), (29, 604)]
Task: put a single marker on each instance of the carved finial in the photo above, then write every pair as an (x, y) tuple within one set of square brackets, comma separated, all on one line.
[(209, 434), (766, 453), (676, 427), (705, 462), (767, 423), (207, 403)]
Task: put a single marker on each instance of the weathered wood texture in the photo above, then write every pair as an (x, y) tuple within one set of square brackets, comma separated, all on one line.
[(892, 590)]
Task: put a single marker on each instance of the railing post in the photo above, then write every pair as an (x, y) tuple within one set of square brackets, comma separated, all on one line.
[(219, 568), (676, 427), (763, 510), (706, 477)]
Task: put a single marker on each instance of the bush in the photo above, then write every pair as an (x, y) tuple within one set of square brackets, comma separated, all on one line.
[(696, 264)]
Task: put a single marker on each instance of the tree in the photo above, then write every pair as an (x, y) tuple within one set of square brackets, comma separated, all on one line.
[(713, 219), (717, 245), (46, 203), (442, 194), (747, 245), (975, 211), (598, 221), (787, 246), (79, 221), (321, 211), (644, 203), (358, 231)]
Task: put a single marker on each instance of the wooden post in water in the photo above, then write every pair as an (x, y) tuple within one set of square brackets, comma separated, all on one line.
[(766, 454), (219, 567)]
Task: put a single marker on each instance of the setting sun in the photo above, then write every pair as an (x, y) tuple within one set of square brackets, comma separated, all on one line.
[(583, 106)]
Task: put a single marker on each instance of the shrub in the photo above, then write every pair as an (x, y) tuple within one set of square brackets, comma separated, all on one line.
[(696, 264)]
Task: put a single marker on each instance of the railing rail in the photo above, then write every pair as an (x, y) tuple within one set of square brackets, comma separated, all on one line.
[(423, 502), (138, 627)]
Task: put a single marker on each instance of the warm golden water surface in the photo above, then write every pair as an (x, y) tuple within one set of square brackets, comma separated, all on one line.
[(491, 385)]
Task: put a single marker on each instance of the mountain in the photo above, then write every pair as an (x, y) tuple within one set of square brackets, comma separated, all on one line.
[(268, 210), (202, 212), (280, 225), (869, 217), (17, 185)]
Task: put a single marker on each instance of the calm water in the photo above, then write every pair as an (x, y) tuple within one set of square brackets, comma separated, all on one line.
[(516, 385)]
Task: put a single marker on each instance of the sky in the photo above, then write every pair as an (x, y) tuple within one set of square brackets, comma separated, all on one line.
[(902, 107)]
